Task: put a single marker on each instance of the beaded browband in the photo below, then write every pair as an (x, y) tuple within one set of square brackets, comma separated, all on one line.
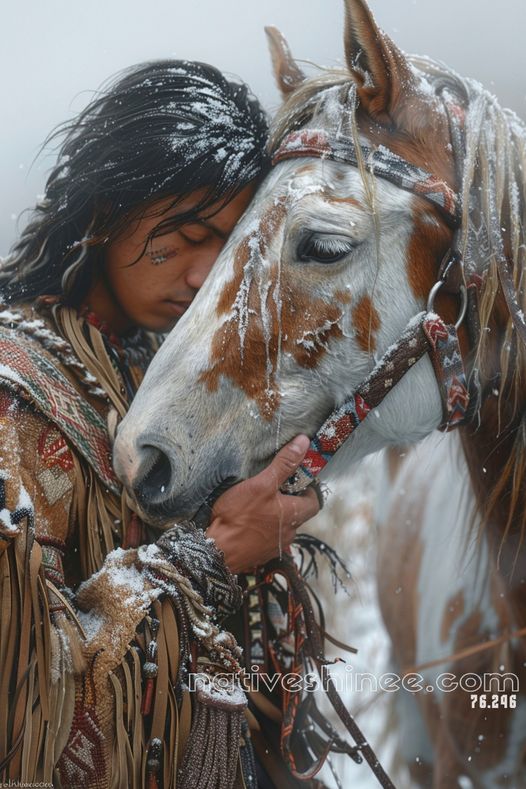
[(425, 333), (379, 161)]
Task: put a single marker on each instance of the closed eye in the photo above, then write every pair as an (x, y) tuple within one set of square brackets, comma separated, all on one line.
[(195, 242), (324, 248), (194, 233)]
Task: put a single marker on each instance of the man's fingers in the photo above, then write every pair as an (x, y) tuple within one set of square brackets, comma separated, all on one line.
[(304, 506), (286, 461)]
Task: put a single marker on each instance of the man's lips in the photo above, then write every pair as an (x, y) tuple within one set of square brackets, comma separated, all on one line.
[(177, 307)]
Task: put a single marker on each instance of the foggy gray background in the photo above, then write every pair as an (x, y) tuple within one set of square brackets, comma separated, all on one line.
[(53, 52)]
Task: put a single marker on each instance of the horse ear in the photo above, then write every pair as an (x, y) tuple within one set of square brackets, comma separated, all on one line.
[(288, 74), (380, 70)]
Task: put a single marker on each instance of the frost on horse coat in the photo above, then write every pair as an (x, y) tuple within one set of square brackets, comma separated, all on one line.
[(318, 279)]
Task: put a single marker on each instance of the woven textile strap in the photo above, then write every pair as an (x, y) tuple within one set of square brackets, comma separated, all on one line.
[(425, 333), (379, 161), (200, 559), (447, 363), (33, 373)]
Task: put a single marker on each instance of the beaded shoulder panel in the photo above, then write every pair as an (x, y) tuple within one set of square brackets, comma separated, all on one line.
[(34, 374)]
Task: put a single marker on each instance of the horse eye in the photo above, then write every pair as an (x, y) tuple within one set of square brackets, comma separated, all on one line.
[(316, 248)]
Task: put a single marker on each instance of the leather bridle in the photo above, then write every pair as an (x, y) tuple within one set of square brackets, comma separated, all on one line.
[(427, 332)]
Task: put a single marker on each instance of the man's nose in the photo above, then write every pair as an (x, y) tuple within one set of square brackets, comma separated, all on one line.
[(199, 270)]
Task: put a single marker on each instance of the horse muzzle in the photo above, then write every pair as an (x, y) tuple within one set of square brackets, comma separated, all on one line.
[(166, 483)]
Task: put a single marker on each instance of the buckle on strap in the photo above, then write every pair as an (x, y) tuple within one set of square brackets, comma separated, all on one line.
[(452, 279)]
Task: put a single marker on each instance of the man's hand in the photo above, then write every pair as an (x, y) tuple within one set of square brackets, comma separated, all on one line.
[(252, 519)]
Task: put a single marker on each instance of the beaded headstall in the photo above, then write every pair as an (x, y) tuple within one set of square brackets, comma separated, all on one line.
[(425, 333)]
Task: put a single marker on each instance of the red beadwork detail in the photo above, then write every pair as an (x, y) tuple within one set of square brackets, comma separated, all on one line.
[(147, 697), (432, 185), (307, 142), (314, 462), (7, 402), (83, 762), (436, 331), (362, 409), (45, 539), (54, 452), (457, 401)]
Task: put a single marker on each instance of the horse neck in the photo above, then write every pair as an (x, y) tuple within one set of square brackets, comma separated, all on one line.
[(495, 456)]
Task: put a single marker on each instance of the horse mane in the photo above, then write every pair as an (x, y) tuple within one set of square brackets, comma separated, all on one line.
[(492, 183)]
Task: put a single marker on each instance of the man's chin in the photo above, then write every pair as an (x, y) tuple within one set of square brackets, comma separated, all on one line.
[(159, 326)]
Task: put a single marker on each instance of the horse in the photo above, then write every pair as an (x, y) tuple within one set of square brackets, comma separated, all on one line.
[(397, 190)]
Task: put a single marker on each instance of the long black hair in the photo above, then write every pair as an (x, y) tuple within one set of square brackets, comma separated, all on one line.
[(161, 129)]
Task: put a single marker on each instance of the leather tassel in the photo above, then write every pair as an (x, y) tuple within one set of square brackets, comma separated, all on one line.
[(153, 764), (134, 532), (147, 697), (211, 758)]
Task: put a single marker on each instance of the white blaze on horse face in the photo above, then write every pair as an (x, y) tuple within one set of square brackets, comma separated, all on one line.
[(273, 342)]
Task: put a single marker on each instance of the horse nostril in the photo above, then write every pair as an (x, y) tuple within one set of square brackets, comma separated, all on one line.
[(153, 485)]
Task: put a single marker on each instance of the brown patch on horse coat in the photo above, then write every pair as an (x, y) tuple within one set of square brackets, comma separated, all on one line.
[(453, 610), (366, 323), (430, 240), (400, 553), (308, 325), (470, 727), (297, 323), (343, 296), (348, 200)]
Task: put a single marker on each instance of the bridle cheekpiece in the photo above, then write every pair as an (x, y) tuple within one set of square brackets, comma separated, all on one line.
[(425, 333)]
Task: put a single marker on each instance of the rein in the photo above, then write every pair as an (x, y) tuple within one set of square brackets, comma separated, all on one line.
[(425, 332), (309, 636)]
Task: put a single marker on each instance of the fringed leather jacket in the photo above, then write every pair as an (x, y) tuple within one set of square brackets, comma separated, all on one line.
[(111, 636)]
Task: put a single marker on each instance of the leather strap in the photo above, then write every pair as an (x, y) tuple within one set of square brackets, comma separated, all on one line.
[(426, 333), (380, 161)]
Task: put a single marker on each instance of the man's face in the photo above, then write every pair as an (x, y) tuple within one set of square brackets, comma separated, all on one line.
[(152, 284)]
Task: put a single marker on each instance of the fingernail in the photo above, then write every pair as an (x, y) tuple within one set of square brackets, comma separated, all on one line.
[(300, 444)]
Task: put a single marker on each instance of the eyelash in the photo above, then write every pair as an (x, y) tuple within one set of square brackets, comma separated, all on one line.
[(324, 249), (194, 241)]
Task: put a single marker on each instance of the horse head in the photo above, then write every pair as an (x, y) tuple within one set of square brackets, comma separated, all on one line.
[(320, 276)]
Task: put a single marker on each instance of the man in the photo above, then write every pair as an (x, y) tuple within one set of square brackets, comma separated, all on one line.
[(101, 618)]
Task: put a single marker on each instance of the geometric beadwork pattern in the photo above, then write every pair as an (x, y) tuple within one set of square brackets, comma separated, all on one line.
[(329, 438), (379, 161), (82, 762), (31, 371), (449, 370)]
